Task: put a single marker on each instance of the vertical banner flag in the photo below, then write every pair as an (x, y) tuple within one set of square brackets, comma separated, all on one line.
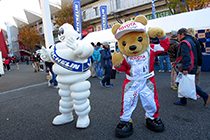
[(153, 9), (103, 10), (77, 16)]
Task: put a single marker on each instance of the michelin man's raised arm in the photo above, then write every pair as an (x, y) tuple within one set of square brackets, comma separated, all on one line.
[(45, 54), (80, 47)]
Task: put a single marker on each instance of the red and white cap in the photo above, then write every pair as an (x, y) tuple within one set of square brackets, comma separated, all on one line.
[(129, 27)]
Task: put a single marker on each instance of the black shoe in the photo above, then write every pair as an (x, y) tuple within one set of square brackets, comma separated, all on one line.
[(35, 71), (155, 125), (124, 129)]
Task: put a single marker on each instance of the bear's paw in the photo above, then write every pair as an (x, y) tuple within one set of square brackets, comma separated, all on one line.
[(117, 59), (154, 32)]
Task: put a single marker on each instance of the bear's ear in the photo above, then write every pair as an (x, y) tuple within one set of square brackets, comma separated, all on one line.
[(115, 27), (142, 19)]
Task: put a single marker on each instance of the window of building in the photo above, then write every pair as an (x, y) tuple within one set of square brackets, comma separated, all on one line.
[(118, 4), (96, 11), (84, 14)]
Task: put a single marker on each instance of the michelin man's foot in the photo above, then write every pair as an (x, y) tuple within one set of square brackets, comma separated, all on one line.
[(155, 125), (124, 129), (83, 121), (63, 119)]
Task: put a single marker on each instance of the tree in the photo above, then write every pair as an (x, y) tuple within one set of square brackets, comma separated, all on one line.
[(29, 36), (66, 15), (180, 6)]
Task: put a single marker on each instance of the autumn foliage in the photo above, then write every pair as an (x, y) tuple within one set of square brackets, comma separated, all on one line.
[(66, 15), (180, 6), (29, 36)]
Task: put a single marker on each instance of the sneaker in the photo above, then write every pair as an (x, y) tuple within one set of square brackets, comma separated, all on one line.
[(102, 85), (56, 86), (155, 125), (49, 84), (206, 100), (100, 78), (124, 129), (172, 86), (175, 88), (179, 103), (110, 85), (198, 96), (161, 70)]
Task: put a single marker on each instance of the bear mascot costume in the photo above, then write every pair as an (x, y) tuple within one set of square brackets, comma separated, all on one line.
[(136, 59), (71, 59)]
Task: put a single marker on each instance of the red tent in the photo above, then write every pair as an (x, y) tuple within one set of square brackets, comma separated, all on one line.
[(3, 46)]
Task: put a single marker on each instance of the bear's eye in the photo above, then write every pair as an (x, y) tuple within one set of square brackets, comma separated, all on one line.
[(140, 39), (124, 43)]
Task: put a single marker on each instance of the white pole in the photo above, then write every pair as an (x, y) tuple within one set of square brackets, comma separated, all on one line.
[(1, 64), (46, 19)]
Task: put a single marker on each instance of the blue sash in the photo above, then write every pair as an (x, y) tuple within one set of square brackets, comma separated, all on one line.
[(70, 65)]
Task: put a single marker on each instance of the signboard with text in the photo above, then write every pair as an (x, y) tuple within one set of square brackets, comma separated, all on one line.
[(77, 16), (103, 10), (159, 14)]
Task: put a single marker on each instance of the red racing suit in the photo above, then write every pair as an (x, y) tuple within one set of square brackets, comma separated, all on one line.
[(140, 81)]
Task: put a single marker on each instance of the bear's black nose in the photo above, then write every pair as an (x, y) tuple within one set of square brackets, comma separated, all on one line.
[(132, 47)]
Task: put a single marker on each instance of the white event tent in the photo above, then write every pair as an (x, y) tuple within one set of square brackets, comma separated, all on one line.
[(195, 19)]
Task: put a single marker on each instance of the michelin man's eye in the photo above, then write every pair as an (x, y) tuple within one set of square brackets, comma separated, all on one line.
[(61, 31), (140, 39), (124, 43)]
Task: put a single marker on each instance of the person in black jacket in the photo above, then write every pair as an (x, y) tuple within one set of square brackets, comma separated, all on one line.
[(172, 52), (36, 59), (183, 34), (106, 63)]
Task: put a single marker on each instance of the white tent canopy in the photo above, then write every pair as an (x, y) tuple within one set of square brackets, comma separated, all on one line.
[(100, 36), (196, 19)]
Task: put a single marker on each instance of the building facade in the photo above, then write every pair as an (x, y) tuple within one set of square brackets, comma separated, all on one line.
[(122, 11)]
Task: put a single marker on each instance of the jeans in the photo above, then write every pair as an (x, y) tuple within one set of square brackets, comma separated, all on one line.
[(199, 92), (53, 80), (99, 69), (106, 79), (166, 58)]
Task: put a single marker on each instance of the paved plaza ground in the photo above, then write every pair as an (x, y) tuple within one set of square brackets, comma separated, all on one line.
[(28, 106)]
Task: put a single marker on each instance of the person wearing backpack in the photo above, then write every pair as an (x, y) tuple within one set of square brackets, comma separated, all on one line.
[(184, 50), (199, 54)]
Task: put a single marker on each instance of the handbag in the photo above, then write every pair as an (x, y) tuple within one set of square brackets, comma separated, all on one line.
[(186, 86), (113, 74)]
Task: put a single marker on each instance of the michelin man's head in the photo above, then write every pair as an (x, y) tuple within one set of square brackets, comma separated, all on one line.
[(132, 36), (65, 31)]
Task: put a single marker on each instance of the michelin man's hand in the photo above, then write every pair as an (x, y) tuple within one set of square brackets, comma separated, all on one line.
[(117, 59), (44, 53), (154, 32), (71, 43)]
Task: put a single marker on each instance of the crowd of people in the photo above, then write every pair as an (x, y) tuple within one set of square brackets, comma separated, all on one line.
[(102, 68), (101, 65)]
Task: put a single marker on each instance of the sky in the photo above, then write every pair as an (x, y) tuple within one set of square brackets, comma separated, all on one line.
[(15, 8)]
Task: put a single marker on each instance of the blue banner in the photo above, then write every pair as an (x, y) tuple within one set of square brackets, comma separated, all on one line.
[(77, 16), (153, 9), (104, 24)]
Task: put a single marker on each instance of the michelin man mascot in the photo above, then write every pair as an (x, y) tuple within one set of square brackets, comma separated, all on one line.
[(71, 64)]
